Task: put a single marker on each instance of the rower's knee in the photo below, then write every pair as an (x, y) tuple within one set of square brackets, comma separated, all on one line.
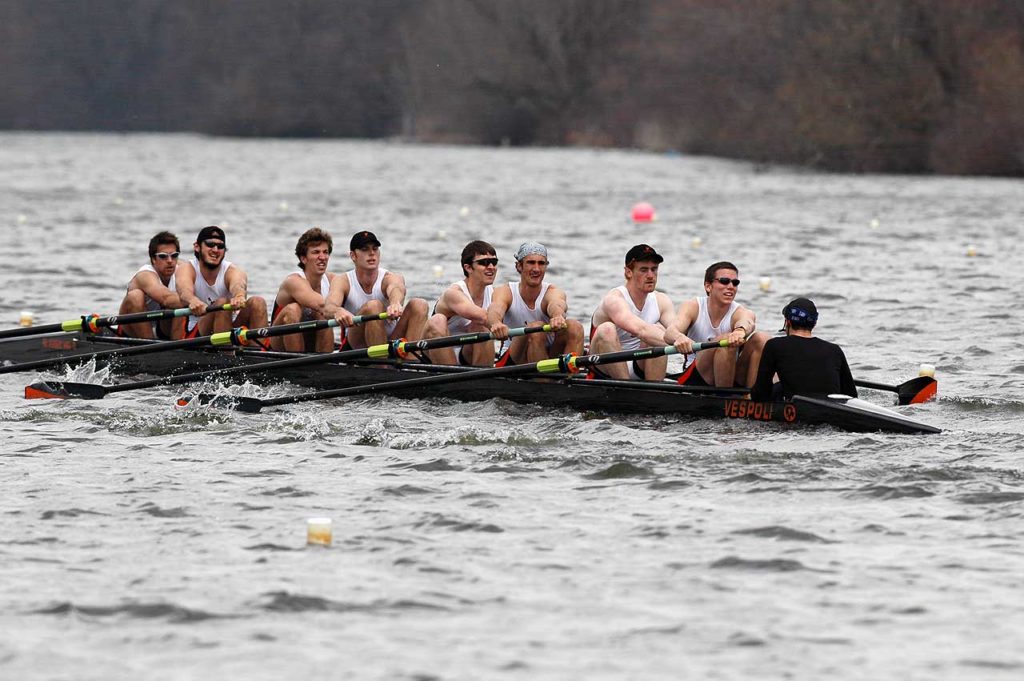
[(289, 314), (134, 301), (372, 307), (437, 326), (416, 307), (606, 334)]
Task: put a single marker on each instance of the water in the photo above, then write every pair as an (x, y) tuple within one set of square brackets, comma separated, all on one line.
[(503, 541)]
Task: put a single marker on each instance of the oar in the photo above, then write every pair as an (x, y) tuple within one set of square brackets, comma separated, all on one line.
[(93, 391), (564, 364), (914, 391), (93, 323), (236, 336)]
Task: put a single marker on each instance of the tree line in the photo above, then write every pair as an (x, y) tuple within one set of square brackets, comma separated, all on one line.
[(849, 85)]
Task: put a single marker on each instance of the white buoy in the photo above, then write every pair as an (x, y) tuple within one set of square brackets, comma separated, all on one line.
[(118, 201), (442, 235), (874, 223), (464, 211), (971, 251), (283, 205), (22, 219), (695, 242), (318, 531), (765, 283), (438, 271), (26, 318), (926, 370)]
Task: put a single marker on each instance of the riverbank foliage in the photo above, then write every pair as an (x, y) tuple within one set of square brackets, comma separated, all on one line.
[(895, 86)]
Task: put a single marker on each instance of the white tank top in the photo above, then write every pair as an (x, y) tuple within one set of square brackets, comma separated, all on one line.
[(207, 293), (357, 297), (458, 325), (151, 304), (702, 329), (650, 314), (520, 313)]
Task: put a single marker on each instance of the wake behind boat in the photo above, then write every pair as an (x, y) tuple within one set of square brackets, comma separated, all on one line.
[(557, 389)]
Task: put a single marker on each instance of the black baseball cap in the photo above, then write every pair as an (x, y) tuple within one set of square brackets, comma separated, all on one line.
[(360, 239), (643, 252), (211, 232)]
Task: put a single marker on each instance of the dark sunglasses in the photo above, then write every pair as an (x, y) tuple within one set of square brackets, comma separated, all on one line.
[(725, 281), (167, 256), (486, 262), (215, 244)]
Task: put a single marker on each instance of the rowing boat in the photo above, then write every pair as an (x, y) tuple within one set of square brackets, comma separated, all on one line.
[(559, 390)]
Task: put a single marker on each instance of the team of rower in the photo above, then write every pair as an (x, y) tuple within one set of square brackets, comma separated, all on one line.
[(630, 316)]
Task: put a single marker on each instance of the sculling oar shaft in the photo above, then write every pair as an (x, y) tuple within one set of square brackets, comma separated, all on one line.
[(92, 391), (567, 363), (93, 323), (237, 336)]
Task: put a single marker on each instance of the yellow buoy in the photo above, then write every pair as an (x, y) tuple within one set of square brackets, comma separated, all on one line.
[(318, 531), (926, 370), (26, 318), (765, 283)]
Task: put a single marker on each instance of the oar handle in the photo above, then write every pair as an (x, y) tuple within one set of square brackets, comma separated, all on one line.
[(402, 349), (94, 322), (573, 363), (236, 336)]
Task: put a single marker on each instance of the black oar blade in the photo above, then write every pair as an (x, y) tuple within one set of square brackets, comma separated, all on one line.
[(917, 390), (61, 390), (248, 405)]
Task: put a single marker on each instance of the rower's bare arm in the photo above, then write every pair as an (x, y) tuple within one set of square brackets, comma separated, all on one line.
[(555, 306), (297, 289), (237, 282), (393, 287), (619, 314), (501, 299), (185, 284), (150, 284), (463, 306), (744, 321), (685, 317), (333, 306), (672, 334)]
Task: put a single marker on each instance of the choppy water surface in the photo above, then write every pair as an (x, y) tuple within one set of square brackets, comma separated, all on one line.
[(138, 540)]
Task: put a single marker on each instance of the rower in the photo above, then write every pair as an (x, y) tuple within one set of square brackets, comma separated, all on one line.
[(209, 279), (152, 288), (634, 315), (715, 316), (369, 289), (462, 308), (804, 365), (532, 302), (302, 295)]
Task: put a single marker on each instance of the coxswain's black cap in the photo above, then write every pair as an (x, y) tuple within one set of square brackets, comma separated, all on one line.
[(643, 252), (211, 232), (801, 312), (361, 239)]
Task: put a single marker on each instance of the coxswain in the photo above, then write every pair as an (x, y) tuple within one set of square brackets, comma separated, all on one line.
[(532, 301), (152, 288), (634, 316), (804, 364)]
